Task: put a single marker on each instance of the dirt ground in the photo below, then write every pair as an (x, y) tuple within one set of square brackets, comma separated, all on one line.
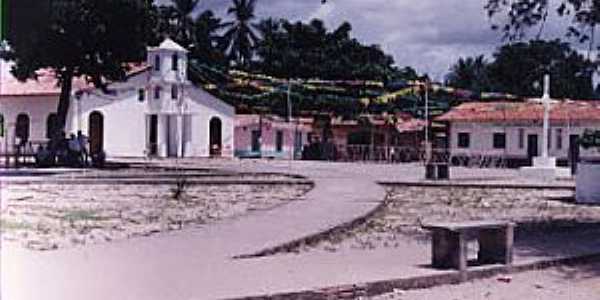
[(51, 216), (536, 211), (560, 283)]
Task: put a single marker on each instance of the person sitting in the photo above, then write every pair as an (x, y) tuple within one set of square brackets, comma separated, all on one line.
[(43, 157), (59, 148)]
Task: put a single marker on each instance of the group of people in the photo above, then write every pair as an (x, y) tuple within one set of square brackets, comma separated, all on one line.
[(72, 151)]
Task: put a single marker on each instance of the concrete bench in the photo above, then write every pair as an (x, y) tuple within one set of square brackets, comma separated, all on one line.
[(449, 246)]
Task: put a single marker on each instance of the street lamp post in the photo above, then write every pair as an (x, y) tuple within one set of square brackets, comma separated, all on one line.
[(427, 146), (289, 119)]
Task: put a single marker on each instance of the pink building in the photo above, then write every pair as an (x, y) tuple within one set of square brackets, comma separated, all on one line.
[(270, 136)]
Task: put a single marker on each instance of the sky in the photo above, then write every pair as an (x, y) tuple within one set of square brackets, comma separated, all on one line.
[(429, 35)]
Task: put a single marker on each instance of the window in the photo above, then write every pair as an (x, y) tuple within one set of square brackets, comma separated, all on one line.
[(464, 140), (157, 91), (175, 62), (22, 128), (279, 141), (50, 125), (559, 138), (499, 141), (157, 63), (521, 138), (141, 95), (174, 92)]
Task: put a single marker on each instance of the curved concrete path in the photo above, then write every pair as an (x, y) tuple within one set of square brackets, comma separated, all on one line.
[(197, 263)]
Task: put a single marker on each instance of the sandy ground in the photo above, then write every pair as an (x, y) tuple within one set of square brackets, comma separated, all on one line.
[(561, 283), (400, 221), (47, 216)]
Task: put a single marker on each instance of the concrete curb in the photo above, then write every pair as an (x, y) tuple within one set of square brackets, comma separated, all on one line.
[(498, 185), (320, 236), (376, 288), (157, 181)]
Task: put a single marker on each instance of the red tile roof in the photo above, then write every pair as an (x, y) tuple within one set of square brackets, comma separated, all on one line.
[(484, 112), (249, 120), (46, 83)]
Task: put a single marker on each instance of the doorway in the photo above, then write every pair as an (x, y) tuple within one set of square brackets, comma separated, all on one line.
[(153, 135), (573, 152), (255, 141), (215, 135), (96, 132), (532, 147), (172, 137), (22, 129)]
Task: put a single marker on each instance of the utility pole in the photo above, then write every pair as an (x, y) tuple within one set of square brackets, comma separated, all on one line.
[(289, 102), (289, 119), (427, 146)]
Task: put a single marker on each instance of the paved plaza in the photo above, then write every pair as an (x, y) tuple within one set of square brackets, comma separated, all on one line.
[(198, 261)]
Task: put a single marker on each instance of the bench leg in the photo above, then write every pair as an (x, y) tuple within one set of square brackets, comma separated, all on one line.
[(496, 246), (449, 250)]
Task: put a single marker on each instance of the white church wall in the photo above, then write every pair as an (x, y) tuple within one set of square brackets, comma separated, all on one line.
[(124, 122), (38, 108), (204, 107)]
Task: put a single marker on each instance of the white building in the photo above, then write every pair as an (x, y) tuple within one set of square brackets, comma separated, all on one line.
[(513, 130), (156, 111)]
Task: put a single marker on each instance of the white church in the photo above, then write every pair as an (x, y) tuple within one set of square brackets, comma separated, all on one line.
[(155, 112)]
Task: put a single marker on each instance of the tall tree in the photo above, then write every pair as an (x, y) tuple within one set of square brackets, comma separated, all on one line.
[(309, 50), (519, 66), (470, 73), (85, 38), (240, 38), (184, 22), (206, 39), (269, 30)]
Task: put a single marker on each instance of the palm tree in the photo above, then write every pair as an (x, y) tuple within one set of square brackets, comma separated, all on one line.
[(184, 24), (240, 38), (206, 39)]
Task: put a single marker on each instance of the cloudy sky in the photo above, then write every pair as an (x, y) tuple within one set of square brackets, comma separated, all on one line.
[(427, 34)]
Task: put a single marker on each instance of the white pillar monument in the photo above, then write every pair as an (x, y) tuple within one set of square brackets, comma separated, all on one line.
[(544, 166), (545, 161)]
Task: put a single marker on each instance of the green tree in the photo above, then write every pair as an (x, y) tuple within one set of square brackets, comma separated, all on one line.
[(470, 73), (206, 39), (184, 23), (240, 39), (85, 38), (519, 66), (309, 50), (269, 30)]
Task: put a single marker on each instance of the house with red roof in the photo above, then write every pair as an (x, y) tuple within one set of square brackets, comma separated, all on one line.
[(156, 111), (513, 130), (270, 136)]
